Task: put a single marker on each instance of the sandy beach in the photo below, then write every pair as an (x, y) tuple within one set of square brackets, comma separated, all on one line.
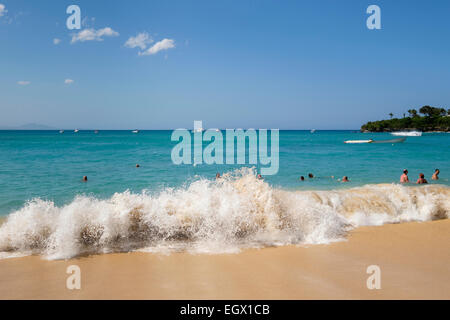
[(414, 260)]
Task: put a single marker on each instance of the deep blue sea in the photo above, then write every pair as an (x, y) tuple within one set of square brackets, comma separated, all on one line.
[(50, 165)]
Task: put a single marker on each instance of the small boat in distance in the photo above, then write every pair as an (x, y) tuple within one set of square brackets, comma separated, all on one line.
[(407, 133), (313, 130), (61, 131), (76, 131), (135, 131), (96, 131), (359, 141), (399, 140)]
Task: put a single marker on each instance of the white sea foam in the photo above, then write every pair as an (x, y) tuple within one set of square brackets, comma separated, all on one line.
[(224, 216)]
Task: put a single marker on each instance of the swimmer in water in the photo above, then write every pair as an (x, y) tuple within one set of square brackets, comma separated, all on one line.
[(85, 178), (345, 179), (259, 177), (302, 178), (137, 165), (310, 175), (421, 179), (435, 175), (404, 177), (217, 175)]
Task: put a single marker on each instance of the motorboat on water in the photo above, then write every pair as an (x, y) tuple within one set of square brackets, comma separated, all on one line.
[(407, 133)]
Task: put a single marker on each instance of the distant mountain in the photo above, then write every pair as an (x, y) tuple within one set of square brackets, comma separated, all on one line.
[(29, 126)]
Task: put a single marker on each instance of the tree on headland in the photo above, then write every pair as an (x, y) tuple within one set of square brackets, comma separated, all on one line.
[(434, 119), (412, 113), (432, 112), (426, 110)]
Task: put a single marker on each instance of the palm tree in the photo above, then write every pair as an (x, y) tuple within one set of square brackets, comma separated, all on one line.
[(391, 115)]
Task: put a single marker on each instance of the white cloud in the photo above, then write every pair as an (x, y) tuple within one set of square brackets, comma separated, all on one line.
[(56, 41), (164, 44), (141, 41), (93, 35), (69, 81), (23, 83), (3, 10)]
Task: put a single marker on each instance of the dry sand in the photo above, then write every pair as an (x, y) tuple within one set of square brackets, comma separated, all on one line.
[(414, 259)]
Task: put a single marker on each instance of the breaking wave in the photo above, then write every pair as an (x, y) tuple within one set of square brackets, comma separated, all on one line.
[(234, 212)]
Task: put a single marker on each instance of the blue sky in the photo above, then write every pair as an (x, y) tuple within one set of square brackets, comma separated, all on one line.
[(261, 64)]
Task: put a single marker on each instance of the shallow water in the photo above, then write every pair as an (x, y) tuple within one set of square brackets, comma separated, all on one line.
[(161, 207), (49, 165)]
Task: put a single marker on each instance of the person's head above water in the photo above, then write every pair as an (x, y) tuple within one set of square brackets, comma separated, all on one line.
[(302, 178), (435, 175), (405, 171), (345, 179), (85, 178), (310, 175), (421, 175)]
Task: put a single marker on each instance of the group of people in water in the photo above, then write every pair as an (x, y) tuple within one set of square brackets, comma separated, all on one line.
[(404, 177)]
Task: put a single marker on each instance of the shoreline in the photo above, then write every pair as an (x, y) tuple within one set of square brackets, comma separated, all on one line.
[(413, 258)]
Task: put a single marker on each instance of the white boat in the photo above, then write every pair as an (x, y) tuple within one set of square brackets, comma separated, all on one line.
[(76, 130), (399, 140), (407, 133), (61, 131), (359, 141), (313, 130), (135, 131), (96, 131)]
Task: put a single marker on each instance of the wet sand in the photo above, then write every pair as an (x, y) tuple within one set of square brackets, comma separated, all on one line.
[(414, 259)]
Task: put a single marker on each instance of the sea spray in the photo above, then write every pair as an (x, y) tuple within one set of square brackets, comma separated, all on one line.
[(234, 212)]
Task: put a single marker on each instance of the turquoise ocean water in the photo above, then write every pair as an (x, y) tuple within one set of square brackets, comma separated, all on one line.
[(162, 207), (49, 165)]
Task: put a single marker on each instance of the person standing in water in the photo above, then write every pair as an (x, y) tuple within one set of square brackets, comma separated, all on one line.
[(435, 175), (421, 179), (345, 179), (404, 177)]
